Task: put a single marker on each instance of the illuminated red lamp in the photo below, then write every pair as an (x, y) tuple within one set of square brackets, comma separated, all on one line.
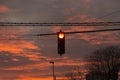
[(61, 35)]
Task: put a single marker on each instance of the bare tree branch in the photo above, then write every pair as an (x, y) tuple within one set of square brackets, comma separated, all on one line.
[(106, 60)]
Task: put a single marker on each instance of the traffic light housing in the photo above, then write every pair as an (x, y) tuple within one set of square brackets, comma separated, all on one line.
[(61, 42)]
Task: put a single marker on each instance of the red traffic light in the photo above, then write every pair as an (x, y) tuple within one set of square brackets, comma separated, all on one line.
[(61, 43)]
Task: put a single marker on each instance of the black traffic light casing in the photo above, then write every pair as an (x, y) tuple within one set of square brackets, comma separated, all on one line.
[(61, 42)]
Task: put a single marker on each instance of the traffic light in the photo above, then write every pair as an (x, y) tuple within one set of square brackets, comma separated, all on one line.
[(61, 42)]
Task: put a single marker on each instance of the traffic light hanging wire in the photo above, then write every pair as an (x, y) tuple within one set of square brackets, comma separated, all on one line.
[(89, 31), (73, 32)]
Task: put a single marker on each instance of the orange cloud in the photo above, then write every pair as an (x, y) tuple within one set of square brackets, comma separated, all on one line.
[(12, 40), (13, 32), (101, 38), (17, 46), (71, 63), (29, 67), (21, 48), (3, 8), (17, 76), (15, 59), (32, 78)]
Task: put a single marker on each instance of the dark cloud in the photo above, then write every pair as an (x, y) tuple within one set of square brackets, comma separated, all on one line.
[(57, 11)]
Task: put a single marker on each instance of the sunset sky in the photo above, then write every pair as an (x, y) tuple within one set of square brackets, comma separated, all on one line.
[(26, 57)]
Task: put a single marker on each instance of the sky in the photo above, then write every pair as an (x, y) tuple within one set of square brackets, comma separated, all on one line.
[(26, 57)]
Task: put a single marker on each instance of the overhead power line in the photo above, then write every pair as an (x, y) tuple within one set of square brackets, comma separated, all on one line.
[(61, 24)]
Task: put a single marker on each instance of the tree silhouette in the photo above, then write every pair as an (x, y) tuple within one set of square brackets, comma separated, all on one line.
[(96, 75), (106, 61)]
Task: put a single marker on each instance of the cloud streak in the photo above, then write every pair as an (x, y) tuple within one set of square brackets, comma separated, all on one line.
[(3, 9)]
